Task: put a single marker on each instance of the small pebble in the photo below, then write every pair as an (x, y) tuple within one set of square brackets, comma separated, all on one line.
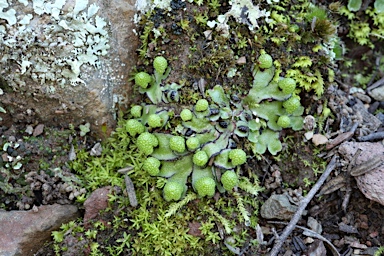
[(4, 157), (208, 34), (29, 129), (308, 135), (377, 93), (363, 97), (38, 130), (241, 60), (380, 116), (10, 150), (72, 154), (309, 123), (35, 209), (319, 139), (96, 150)]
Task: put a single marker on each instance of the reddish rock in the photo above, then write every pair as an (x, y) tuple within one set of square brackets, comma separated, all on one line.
[(96, 202), (194, 229), (371, 184), (24, 232), (38, 130)]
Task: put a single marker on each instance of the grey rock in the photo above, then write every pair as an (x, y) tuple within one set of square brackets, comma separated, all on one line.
[(377, 93), (65, 61), (278, 207), (369, 122), (348, 116), (24, 232), (317, 248), (380, 116)]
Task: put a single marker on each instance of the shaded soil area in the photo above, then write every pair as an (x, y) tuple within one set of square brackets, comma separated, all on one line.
[(34, 166)]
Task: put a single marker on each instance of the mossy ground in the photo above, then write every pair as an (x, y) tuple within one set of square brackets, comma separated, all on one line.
[(192, 226), (219, 226)]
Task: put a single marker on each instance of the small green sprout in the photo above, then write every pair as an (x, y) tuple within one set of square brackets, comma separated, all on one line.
[(58, 236), (84, 129), (186, 115), (229, 180), (326, 112), (160, 64), (292, 104), (354, 5), (152, 166), (193, 143), (136, 111), (265, 61), (143, 79), (237, 156), (146, 142), (134, 127), (154, 121), (201, 105), (173, 191), (200, 158), (177, 143), (287, 85), (284, 121), (205, 186)]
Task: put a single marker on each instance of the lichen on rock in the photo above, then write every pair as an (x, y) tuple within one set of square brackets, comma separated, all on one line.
[(67, 61), (51, 42)]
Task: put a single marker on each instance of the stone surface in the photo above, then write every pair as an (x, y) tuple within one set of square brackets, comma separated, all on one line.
[(65, 61), (278, 207), (96, 202), (24, 232), (371, 184), (319, 139), (377, 93)]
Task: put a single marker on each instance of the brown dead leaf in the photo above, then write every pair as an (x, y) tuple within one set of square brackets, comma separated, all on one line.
[(339, 139), (332, 185)]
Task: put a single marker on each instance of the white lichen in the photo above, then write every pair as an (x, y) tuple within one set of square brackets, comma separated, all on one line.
[(49, 44), (243, 11), (9, 15), (162, 4), (24, 2), (80, 6)]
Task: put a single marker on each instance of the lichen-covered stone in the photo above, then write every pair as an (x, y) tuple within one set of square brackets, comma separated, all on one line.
[(65, 61)]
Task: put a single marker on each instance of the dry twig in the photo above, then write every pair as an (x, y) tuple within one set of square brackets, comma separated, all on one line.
[(314, 234), (348, 189), (372, 136), (303, 204), (378, 83), (342, 137)]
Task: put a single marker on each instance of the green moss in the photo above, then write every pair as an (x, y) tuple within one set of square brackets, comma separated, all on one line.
[(243, 102)]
